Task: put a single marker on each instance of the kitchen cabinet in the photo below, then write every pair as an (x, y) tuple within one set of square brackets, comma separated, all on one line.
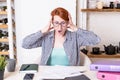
[(7, 28)]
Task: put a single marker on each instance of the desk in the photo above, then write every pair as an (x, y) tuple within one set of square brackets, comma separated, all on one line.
[(38, 76)]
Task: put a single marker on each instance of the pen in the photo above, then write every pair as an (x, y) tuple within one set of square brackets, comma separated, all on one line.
[(77, 72), (26, 67)]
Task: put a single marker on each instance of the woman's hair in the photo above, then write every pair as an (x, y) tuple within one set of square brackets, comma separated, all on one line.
[(61, 12)]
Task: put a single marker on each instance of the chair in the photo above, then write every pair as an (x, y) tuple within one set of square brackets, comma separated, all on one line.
[(84, 60)]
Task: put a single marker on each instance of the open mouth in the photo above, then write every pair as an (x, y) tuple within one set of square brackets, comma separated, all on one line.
[(59, 31)]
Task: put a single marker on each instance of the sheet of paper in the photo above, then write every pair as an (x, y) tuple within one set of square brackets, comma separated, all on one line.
[(60, 72)]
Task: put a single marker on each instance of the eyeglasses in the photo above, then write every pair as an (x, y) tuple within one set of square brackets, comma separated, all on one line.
[(57, 24)]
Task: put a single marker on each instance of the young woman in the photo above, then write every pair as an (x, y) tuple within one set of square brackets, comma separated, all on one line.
[(60, 40)]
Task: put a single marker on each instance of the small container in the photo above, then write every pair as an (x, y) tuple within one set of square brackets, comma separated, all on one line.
[(118, 5), (99, 5), (11, 64), (111, 5), (96, 50)]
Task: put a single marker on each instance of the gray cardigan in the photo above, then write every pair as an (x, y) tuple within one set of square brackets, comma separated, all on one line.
[(72, 44)]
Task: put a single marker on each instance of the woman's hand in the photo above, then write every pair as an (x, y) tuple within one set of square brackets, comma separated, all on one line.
[(47, 28), (70, 24)]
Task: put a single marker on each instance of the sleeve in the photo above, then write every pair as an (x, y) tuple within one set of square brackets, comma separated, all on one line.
[(32, 41), (85, 38)]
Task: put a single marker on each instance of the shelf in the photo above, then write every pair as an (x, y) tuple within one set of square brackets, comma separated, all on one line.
[(3, 26), (4, 53), (4, 40), (100, 10), (3, 12), (8, 13), (2, 0), (86, 21), (103, 55)]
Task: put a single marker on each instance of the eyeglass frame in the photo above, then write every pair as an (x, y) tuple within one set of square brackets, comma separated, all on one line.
[(61, 24)]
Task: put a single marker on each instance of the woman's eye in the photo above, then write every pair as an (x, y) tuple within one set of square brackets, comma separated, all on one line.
[(56, 23), (63, 23)]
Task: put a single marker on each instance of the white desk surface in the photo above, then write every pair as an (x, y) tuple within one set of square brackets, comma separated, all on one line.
[(38, 76)]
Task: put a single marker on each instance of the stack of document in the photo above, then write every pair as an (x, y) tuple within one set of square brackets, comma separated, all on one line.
[(60, 72), (107, 69)]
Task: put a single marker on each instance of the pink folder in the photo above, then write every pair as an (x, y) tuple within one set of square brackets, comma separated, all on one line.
[(105, 65), (108, 75)]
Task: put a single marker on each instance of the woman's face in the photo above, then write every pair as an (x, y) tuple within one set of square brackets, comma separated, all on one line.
[(60, 25)]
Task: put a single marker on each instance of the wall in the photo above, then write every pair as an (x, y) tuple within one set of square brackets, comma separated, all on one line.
[(107, 26), (28, 20), (31, 16)]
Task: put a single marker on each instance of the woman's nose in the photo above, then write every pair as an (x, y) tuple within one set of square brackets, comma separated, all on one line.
[(59, 27)]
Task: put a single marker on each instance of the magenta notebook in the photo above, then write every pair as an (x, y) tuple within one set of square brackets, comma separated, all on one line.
[(106, 65), (108, 75)]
